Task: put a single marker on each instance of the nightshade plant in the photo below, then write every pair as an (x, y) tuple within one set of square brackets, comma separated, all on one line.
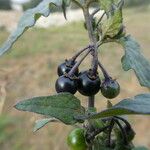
[(99, 130)]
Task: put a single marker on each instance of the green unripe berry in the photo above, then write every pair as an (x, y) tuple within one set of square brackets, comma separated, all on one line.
[(110, 88), (76, 140)]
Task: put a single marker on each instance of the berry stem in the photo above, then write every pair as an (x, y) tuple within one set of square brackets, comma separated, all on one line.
[(105, 73), (72, 71), (80, 52)]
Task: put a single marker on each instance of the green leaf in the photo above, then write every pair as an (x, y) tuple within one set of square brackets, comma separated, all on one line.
[(140, 148), (28, 20), (138, 105), (112, 25), (107, 5), (63, 107), (133, 59), (42, 122)]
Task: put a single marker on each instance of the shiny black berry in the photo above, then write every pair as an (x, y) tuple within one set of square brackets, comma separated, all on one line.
[(88, 85), (66, 84), (66, 67), (110, 88)]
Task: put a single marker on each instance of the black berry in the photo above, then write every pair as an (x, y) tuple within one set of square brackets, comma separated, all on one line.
[(66, 84), (66, 67), (88, 85)]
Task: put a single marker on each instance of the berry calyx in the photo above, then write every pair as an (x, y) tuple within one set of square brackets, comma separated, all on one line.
[(66, 84), (88, 85), (66, 67), (110, 88), (76, 140)]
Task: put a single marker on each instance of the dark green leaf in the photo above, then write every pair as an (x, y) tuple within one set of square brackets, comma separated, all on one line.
[(112, 25), (138, 105), (29, 19), (41, 123), (63, 106), (133, 59)]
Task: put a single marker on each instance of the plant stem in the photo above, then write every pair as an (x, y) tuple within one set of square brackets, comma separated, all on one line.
[(92, 38), (93, 41), (105, 73), (91, 101)]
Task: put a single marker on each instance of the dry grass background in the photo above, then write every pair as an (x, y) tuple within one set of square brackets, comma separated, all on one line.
[(30, 70)]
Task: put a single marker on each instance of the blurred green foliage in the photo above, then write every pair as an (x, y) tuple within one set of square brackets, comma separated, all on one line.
[(5, 4), (6, 129), (132, 3), (10, 133)]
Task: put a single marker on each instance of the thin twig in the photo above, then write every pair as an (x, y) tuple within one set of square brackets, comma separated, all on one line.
[(105, 73)]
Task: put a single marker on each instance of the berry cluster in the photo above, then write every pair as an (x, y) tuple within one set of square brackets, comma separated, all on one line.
[(87, 82)]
